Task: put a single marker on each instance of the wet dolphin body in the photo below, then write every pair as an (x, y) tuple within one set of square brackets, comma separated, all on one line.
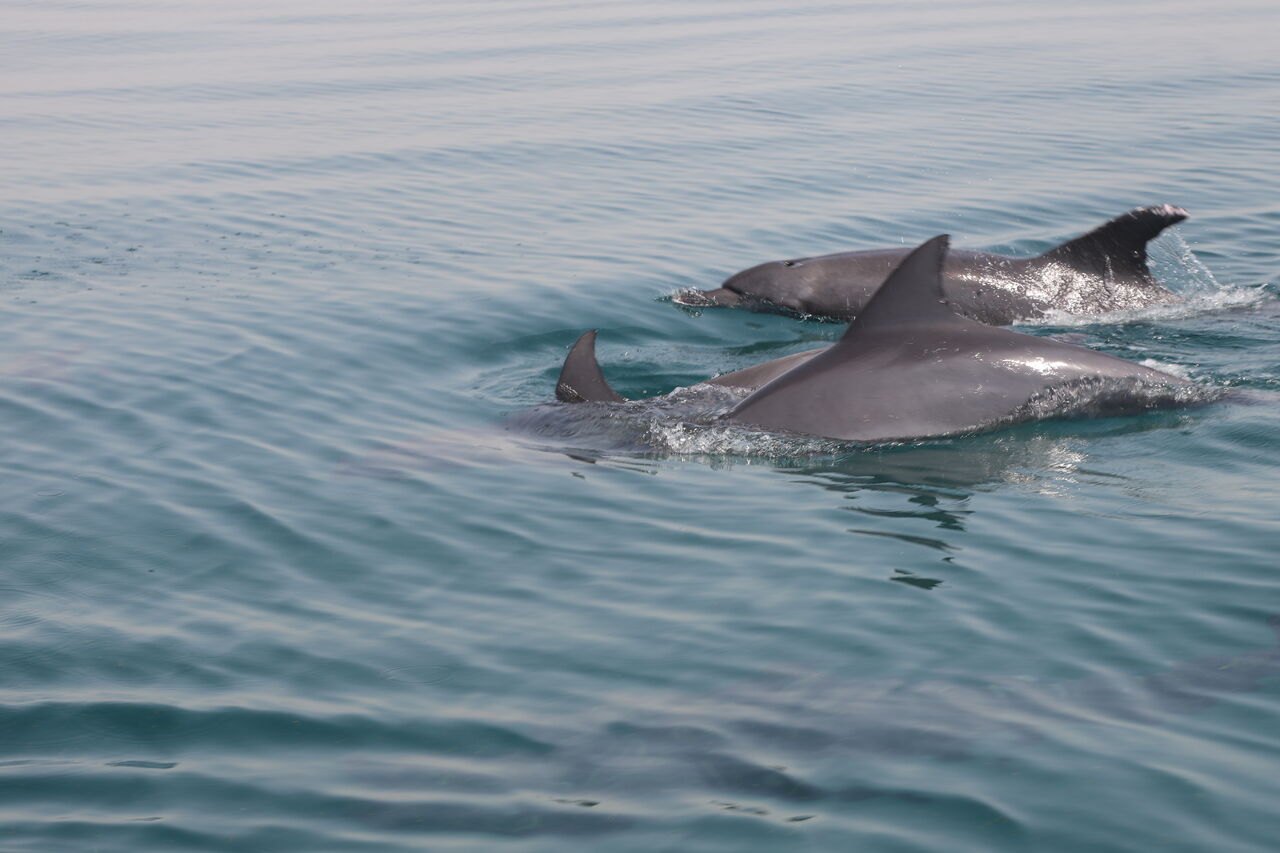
[(1103, 270), (911, 367), (581, 380)]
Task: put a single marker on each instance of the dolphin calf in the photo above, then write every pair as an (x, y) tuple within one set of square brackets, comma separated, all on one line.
[(1103, 270), (911, 367)]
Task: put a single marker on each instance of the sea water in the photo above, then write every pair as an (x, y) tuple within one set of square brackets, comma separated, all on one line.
[(286, 565)]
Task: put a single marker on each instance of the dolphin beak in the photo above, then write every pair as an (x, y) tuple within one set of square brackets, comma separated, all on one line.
[(707, 298)]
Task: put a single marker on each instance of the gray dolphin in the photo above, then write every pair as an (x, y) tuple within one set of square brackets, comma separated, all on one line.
[(1103, 270), (910, 367), (581, 380)]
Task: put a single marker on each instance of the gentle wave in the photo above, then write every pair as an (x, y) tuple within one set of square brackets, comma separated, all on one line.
[(295, 554)]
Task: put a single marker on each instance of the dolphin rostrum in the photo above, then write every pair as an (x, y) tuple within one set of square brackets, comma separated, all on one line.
[(1103, 270), (910, 367)]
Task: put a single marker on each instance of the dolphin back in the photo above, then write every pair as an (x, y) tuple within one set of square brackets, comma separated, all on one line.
[(581, 380), (1119, 247), (910, 367)]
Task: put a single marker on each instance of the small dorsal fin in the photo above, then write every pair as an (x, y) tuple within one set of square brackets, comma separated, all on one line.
[(911, 295), (1118, 247), (580, 379)]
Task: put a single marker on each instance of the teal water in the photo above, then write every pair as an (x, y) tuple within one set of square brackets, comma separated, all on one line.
[(286, 565)]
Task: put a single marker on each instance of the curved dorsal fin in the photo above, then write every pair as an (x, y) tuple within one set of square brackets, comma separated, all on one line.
[(580, 379), (1118, 246), (912, 294)]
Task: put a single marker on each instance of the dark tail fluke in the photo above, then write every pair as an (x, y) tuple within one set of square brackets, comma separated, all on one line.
[(580, 379), (1120, 246)]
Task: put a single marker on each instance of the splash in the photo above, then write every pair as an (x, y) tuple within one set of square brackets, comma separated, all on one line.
[(685, 422), (1179, 370), (1175, 264), (689, 421), (1109, 397)]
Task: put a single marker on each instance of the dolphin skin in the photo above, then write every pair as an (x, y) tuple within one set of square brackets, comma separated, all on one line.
[(911, 367), (581, 380), (1104, 270)]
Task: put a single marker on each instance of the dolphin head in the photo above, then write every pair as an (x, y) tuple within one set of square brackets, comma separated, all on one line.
[(772, 285), (766, 276), (775, 284)]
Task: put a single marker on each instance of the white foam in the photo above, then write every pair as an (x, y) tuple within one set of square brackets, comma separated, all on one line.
[(1179, 370), (687, 422), (1205, 303), (1175, 265)]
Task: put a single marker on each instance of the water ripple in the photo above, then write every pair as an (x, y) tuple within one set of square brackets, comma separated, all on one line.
[(277, 577)]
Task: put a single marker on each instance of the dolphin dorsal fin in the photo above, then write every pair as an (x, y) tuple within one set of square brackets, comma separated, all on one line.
[(912, 295), (580, 379), (1118, 247)]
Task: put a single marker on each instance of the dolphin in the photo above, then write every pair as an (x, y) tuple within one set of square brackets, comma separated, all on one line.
[(1103, 270), (581, 380), (911, 367)]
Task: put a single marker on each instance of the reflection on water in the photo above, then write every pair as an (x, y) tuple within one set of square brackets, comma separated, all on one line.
[(773, 743), (918, 494)]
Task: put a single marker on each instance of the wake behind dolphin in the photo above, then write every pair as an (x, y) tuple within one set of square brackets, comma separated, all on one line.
[(1104, 270), (910, 367)]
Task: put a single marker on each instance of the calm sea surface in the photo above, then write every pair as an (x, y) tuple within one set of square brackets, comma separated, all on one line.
[(286, 565)]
